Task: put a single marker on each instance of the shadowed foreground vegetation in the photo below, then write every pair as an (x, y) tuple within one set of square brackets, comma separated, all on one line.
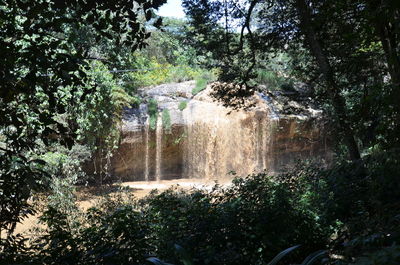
[(354, 217), (69, 69)]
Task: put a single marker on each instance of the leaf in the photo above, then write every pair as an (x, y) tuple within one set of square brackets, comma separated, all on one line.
[(184, 255), (313, 257), (148, 15), (157, 261), (282, 254), (38, 161), (158, 23)]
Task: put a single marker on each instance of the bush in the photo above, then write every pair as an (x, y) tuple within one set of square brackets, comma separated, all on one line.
[(201, 84), (353, 212), (67, 164), (245, 224), (150, 72), (166, 119), (203, 78), (273, 80), (358, 204), (117, 236), (153, 113), (112, 232), (182, 105)]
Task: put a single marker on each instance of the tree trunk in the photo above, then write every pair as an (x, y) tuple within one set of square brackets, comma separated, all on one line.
[(389, 46), (326, 70), (385, 24)]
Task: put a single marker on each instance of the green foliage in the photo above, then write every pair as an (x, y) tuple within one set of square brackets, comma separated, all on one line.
[(167, 58), (153, 73), (275, 71), (99, 116), (67, 163), (180, 138), (112, 232), (273, 81), (295, 42), (156, 73), (183, 255), (387, 255), (187, 260), (201, 84), (43, 76), (182, 105), (166, 119), (11, 250), (51, 96), (214, 34), (282, 254), (362, 211), (203, 78), (153, 113), (153, 122), (243, 224)]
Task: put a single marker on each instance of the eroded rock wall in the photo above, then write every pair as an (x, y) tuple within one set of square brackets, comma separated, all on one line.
[(207, 140)]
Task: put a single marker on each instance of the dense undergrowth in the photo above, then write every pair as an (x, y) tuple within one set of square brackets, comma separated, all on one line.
[(70, 68), (350, 211)]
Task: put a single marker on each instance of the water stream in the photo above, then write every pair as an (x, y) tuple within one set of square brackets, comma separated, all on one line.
[(159, 134), (146, 152)]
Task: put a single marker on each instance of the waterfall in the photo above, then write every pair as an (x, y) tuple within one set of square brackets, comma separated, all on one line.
[(209, 141), (260, 144), (265, 131), (146, 152), (187, 154), (159, 134), (219, 142), (273, 114), (262, 140)]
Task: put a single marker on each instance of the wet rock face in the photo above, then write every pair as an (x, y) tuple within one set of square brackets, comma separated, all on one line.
[(208, 140)]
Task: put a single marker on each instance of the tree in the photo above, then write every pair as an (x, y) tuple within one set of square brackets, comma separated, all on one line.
[(338, 47), (42, 68), (351, 60), (325, 68), (215, 33)]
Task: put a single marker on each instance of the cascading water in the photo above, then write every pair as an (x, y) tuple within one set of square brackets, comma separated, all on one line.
[(262, 137), (273, 124), (207, 140), (146, 151), (159, 134), (219, 142)]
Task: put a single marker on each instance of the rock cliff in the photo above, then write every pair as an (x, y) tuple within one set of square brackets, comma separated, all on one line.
[(208, 140)]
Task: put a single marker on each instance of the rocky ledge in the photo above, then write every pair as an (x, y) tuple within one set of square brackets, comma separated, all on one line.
[(208, 140)]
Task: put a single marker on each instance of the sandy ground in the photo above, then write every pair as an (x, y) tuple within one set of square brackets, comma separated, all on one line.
[(88, 196)]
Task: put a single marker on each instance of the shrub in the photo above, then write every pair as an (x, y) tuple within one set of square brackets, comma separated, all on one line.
[(201, 84), (353, 212), (359, 205), (247, 223), (273, 80), (117, 236), (182, 105), (67, 164), (203, 78), (182, 73), (153, 113), (166, 119), (244, 224)]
